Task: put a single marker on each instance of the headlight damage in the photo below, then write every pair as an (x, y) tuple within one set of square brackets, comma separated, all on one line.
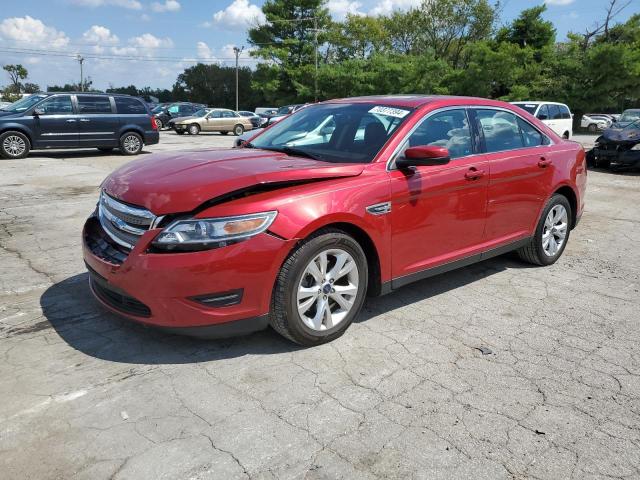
[(206, 233)]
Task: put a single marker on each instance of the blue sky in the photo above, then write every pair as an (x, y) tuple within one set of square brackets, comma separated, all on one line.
[(165, 36)]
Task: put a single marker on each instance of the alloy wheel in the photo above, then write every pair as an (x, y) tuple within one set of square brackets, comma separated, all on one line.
[(327, 289), (14, 145), (131, 143), (554, 232)]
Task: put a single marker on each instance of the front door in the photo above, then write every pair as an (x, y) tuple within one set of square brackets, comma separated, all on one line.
[(98, 123), (214, 121), (438, 212), (56, 124)]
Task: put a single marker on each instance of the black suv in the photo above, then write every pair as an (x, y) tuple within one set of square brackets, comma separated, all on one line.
[(76, 120), (164, 113)]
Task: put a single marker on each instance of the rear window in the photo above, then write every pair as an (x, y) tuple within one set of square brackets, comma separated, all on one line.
[(126, 105), (564, 111), (529, 107), (93, 104)]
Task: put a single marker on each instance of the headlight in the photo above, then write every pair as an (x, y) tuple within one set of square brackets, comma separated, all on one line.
[(206, 233), (636, 147)]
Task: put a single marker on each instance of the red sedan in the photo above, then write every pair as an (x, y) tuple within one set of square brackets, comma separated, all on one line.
[(342, 199)]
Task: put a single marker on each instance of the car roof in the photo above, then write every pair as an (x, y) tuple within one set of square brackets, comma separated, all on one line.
[(632, 110), (99, 94), (539, 102), (416, 101)]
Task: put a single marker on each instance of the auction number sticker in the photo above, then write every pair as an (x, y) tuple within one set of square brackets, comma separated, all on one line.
[(390, 111)]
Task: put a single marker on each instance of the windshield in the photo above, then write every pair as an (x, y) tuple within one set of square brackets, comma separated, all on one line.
[(633, 125), (350, 133), (24, 104), (201, 113), (629, 116), (158, 109), (529, 107)]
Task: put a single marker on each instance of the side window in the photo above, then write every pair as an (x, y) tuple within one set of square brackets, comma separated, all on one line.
[(543, 113), (500, 129), (554, 112), (93, 104), (449, 129), (185, 110), (126, 105), (530, 136), (564, 112), (174, 109), (60, 105), (216, 114), (229, 115)]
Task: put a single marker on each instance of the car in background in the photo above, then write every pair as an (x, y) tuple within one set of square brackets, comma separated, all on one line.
[(282, 112), (254, 118), (76, 120), (619, 145), (266, 110), (594, 122), (166, 112), (229, 241), (214, 120), (200, 113), (556, 116)]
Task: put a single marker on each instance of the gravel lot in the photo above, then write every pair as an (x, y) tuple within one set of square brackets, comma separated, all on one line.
[(495, 371)]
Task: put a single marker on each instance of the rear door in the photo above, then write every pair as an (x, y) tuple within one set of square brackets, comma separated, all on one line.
[(98, 122), (438, 212), (57, 124), (520, 162), (229, 120)]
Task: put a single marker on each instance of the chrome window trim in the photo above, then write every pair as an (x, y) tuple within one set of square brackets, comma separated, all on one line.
[(399, 148)]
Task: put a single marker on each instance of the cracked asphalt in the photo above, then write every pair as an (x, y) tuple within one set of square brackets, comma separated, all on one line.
[(499, 370)]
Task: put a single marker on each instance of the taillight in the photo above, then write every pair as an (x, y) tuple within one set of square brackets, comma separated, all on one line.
[(154, 125)]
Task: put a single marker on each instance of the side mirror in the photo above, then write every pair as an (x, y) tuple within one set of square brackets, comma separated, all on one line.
[(38, 111), (423, 156)]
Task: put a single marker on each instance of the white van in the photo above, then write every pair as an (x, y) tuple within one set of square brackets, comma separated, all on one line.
[(556, 115)]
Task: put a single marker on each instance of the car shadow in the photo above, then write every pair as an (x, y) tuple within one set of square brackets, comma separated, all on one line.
[(83, 153), (84, 324)]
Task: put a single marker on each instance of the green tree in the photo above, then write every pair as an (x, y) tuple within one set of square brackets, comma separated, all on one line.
[(17, 73), (529, 29), (31, 88)]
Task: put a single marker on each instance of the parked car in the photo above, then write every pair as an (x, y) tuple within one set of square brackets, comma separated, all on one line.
[(166, 112), (281, 113), (76, 120), (227, 242), (254, 118), (557, 116), (266, 110), (200, 113), (619, 145), (4, 105), (595, 122), (215, 120)]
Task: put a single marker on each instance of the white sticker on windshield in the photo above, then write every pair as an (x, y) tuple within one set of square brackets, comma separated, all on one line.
[(390, 111)]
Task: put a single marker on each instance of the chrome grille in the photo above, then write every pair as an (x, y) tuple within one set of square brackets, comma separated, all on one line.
[(125, 224)]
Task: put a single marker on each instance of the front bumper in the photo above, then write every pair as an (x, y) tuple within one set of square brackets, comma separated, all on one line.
[(618, 158), (158, 289)]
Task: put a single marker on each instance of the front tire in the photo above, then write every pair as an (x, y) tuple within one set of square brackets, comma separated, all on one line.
[(131, 143), (551, 235), (194, 129), (320, 289), (238, 130), (593, 128), (14, 145)]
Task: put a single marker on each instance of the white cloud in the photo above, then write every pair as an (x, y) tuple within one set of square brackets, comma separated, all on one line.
[(167, 6), (28, 31), (129, 4), (340, 8), (385, 7), (239, 15), (143, 45), (203, 50), (559, 2), (98, 37)]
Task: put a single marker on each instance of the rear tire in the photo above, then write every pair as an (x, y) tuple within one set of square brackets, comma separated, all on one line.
[(159, 124), (553, 228), (14, 145), (340, 291), (131, 143), (238, 130)]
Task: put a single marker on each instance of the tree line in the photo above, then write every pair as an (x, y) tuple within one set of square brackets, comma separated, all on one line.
[(451, 47)]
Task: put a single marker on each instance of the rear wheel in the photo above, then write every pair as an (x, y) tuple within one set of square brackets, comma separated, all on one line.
[(552, 233), (194, 129), (159, 123), (130, 143), (320, 289), (238, 130), (14, 145)]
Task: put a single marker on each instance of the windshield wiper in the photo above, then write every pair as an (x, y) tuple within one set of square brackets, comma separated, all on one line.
[(296, 152)]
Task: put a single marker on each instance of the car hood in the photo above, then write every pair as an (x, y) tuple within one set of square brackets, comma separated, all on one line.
[(181, 182), (619, 133), (7, 114)]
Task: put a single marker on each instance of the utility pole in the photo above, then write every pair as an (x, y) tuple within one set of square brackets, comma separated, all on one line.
[(237, 51), (80, 59), (315, 32)]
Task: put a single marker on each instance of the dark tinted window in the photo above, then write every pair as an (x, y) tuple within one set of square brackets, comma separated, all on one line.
[(60, 105), (229, 115), (554, 112), (529, 107), (543, 113), (449, 129), (186, 109), (564, 111), (501, 130), (530, 136), (129, 105), (93, 104)]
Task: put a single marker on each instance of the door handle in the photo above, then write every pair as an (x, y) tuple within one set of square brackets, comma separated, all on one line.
[(71, 120), (84, 120), (474, 174), (544, 163)]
